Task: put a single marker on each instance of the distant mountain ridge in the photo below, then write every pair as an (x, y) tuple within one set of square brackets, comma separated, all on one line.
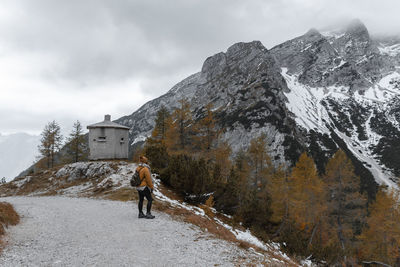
[(17, 152)]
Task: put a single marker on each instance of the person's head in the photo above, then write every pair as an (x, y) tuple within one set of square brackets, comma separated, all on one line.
[(143, 159)]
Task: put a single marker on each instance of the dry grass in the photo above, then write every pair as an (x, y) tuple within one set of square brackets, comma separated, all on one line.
[(8, 216), (121, 194), (212, 227)]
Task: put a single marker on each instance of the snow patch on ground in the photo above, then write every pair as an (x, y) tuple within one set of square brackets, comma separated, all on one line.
[(175, 203), (23, 181), (75, 190), (246, 235)]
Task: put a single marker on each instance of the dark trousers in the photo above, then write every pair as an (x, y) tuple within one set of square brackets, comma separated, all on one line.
[(145, 193)]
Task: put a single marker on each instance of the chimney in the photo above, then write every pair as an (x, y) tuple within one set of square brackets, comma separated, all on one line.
[(107, 117)]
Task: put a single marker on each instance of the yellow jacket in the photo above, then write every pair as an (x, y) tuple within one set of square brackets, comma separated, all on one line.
[(145, 176)]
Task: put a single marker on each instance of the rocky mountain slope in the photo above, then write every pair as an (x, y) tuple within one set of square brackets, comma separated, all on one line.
[(345, 84), (247, 91), (316, 92)]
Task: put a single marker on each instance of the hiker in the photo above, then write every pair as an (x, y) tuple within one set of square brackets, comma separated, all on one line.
[(145, 188)]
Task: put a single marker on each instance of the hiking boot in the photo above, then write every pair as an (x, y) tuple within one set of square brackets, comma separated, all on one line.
[(141, 215), (150, 216)]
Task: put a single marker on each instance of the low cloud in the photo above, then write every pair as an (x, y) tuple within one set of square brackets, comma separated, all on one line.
[(79, 59)]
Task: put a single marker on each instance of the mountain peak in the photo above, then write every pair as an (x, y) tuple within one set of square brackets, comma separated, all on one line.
[(312, 32), (242, 46), (356, 27), (215, 64)]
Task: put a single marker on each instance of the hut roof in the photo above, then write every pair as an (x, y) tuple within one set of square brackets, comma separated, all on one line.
[(107, 123)]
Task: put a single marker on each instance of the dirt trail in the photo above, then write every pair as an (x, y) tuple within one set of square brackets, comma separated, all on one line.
[(61, 231)]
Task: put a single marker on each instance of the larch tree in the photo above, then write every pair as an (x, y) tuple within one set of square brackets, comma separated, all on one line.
[(308, 194), (346, 205), (243, 171), (279, 190), (178, 135), (162, 122), (206, 132), (50, 142), (222, 154), (260, 160), (381, 237), (76, 142), (156, 146)]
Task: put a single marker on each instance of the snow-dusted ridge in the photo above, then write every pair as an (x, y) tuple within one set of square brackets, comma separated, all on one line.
[(307, 105), (390, 50)]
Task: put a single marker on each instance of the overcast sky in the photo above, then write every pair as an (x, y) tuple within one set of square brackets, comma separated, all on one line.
[(80, 59)]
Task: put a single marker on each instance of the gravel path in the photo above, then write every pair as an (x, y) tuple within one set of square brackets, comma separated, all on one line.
[(61, 231)]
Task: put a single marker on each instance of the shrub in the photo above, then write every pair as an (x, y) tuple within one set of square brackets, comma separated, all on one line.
[(8, 216)]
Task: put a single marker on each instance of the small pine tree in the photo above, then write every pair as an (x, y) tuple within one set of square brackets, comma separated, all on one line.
[(50, 142), (206, 132), (162, 123), (179, 129), (76, 144)]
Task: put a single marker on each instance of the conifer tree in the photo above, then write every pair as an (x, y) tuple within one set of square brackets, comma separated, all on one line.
[(162, 122), (222, 155), (178, 136), (206, 130), (246, 187), (381, 237), (50, 142), (227, 194), (259, 159), (279, 190), (347, 207), (76, 142), (308, 193)]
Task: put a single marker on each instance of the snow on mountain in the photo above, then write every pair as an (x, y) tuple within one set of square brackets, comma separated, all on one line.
[(307, 104), (17, 152), (390, 50)]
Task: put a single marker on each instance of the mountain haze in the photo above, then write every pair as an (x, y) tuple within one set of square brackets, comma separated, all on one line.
[(17, 152)]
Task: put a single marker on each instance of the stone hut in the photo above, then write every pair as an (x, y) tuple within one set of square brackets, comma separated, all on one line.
[(108, 140)]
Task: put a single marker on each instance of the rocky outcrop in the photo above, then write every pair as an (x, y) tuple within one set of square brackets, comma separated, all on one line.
[(246, 89)]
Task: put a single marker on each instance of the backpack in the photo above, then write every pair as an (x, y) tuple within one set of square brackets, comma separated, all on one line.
[(135, 180)]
